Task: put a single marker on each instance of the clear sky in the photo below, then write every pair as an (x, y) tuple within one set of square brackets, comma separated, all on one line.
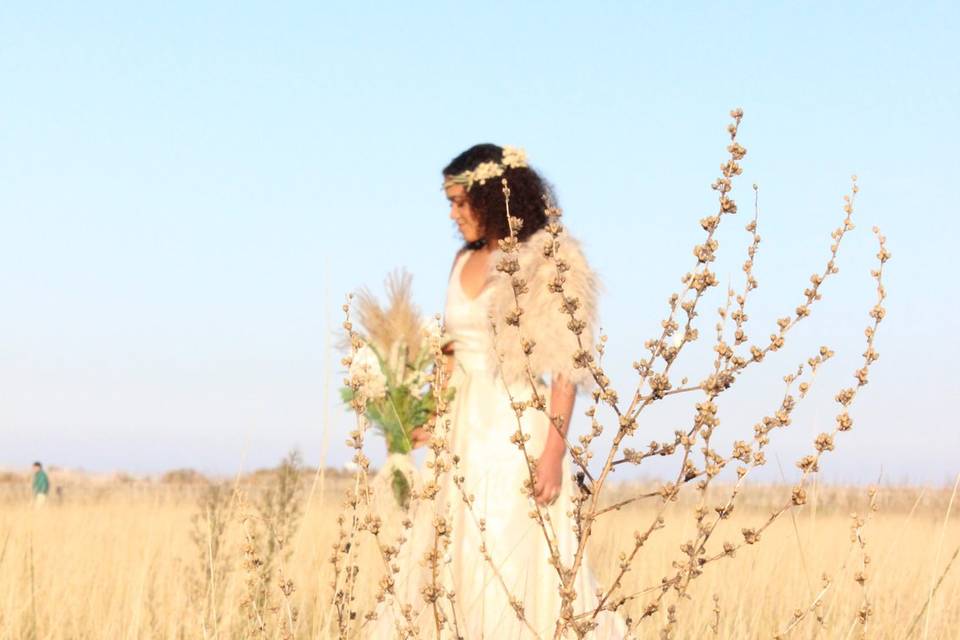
[(187, 191)]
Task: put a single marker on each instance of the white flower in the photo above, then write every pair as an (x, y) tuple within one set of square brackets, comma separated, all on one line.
[(364, 359), (484, 171), (514, 157), (366, 375), (432, 330)]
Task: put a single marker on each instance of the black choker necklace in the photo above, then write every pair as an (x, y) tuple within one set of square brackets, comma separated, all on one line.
[(476, 244)]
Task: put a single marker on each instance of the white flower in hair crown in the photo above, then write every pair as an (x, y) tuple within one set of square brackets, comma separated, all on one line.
[(512, 158)]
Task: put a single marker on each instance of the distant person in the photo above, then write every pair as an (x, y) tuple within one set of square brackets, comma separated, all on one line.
[(41, 485)]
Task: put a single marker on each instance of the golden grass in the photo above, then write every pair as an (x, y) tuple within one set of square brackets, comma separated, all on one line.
[(118, 562)]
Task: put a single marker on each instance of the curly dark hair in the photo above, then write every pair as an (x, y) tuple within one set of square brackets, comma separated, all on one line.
[(527, 190)]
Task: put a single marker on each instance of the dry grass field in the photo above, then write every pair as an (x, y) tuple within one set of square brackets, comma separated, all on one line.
[(122, 559)]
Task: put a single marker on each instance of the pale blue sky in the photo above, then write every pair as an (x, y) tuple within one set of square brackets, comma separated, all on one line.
[(187, 191)]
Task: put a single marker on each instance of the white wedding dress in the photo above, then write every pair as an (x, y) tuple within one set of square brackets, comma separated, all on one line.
[(494, 470)]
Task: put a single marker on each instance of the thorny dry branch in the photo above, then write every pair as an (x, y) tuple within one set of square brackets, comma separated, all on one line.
[(653, 385)]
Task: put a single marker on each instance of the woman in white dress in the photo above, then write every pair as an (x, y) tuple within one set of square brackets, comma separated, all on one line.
[(516, 574)]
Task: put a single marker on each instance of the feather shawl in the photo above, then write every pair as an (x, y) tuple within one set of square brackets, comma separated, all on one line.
[(544, 321)]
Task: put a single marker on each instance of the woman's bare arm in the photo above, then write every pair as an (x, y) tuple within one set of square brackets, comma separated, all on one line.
[(563, 394), (562, 397)]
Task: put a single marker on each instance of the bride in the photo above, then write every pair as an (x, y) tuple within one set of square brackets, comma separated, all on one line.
[(498, 563)]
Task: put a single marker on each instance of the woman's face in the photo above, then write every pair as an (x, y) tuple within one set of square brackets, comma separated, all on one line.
[(460, 212)]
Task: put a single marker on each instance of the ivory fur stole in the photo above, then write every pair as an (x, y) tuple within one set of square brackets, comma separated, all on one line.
[(543, 321)]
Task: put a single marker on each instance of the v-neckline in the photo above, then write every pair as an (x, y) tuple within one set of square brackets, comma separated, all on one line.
[(459, 279)]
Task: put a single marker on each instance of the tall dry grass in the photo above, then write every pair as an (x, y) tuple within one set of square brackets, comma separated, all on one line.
[(122, 561), (694, 556)]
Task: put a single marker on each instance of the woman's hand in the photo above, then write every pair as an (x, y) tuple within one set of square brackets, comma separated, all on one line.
[(549, 477), (419, 437)]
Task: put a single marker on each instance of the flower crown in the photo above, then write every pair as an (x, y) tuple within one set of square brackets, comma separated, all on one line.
[(512, 158)]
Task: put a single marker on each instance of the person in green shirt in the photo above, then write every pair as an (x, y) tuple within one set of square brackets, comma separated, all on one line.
[(41, 484)]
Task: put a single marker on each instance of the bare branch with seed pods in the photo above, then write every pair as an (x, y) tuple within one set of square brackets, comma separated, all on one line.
[(698, 462), (857, 541)]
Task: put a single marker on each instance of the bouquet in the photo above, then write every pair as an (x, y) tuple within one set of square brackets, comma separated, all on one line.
[(391, 373)]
